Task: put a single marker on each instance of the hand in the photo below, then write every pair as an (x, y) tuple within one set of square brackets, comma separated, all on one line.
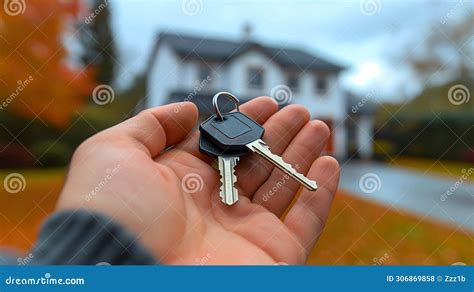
[(147, 173)]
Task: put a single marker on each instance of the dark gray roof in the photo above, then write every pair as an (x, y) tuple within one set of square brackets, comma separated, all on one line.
[(212, 49)]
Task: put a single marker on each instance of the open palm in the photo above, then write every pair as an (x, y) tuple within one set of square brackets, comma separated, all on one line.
[(153, 180)]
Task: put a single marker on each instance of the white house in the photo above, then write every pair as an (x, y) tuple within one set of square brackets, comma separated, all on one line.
[(194, 68)]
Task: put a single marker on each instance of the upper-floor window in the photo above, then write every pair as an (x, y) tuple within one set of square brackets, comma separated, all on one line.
[(204, 73), (255, 78), (321, 84), (293, 81)]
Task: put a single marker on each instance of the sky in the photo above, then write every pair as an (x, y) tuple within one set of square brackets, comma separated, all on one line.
[(362, 35)]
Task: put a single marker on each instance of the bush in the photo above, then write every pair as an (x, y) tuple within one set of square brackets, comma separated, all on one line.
[(384, 149), (445, 137), (15, 155), (52, 153)]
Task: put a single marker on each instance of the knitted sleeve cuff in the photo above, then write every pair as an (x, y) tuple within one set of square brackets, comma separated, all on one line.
[(84, 238)]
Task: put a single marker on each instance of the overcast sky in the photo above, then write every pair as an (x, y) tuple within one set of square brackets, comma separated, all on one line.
[(362, 35)]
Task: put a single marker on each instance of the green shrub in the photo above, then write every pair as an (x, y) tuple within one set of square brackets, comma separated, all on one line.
[(52, 153)]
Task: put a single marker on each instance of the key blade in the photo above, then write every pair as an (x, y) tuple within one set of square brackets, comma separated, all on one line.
[(261, 148), (228, 192)]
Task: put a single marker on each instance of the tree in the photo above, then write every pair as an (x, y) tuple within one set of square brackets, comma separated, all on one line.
[(97, 42), (37, 76), (446, 54)]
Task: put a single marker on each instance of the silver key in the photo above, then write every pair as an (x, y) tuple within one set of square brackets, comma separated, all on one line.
[(228, 192), (261, 148)]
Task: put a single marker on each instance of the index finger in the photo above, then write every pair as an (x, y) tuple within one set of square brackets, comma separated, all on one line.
[(157, 128)]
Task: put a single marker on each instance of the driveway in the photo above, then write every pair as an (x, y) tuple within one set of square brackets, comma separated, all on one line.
[(439, 198)]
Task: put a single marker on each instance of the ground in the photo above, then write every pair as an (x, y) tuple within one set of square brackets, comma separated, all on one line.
[(358, 232)]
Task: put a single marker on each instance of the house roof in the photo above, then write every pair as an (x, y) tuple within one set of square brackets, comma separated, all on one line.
[(220, 50)]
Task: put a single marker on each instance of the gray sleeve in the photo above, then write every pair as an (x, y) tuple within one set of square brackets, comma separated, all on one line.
[(84, 238)]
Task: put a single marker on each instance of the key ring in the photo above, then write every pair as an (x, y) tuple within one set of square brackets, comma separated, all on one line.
[(216, 107)]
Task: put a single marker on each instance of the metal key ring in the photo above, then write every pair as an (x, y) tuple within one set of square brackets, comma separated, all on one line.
[(216, 107)]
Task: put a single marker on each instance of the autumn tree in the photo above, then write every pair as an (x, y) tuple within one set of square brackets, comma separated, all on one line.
[(97, 41), (38, 77), (446, 52)]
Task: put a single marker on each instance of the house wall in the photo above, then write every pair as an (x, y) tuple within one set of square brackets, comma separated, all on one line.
[(220, 77), (238, 70), (165, 74), (329, 107), (188, 72)]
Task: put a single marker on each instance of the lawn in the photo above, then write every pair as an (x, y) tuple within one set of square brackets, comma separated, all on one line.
[(358, 232)]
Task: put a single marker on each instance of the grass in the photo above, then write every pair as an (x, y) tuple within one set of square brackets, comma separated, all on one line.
[(21, 213), (358, 232)]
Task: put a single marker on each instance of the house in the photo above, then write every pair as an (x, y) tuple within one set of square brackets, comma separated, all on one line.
[(194, 68)]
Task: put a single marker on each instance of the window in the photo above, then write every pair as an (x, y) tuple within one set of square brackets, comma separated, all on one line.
[(204, 73), (321, 84), (255, 78), (293, 81)]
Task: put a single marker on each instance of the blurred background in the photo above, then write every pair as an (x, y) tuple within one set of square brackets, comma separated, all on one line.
[(392, 79)]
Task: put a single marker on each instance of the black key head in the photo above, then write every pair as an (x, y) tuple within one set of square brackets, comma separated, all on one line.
[(206, 146), (233, 132)]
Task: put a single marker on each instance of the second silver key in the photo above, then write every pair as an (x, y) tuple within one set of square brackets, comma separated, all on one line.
[(261, 148)]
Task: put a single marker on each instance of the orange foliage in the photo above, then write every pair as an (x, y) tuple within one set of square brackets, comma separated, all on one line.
[(37, 76)]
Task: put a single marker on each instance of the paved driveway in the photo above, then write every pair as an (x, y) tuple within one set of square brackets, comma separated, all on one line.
[(439, 198)]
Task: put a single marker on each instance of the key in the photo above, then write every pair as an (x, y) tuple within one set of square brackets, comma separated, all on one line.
[(226, 164), (235, 132), (228, 192), (261, 148)]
